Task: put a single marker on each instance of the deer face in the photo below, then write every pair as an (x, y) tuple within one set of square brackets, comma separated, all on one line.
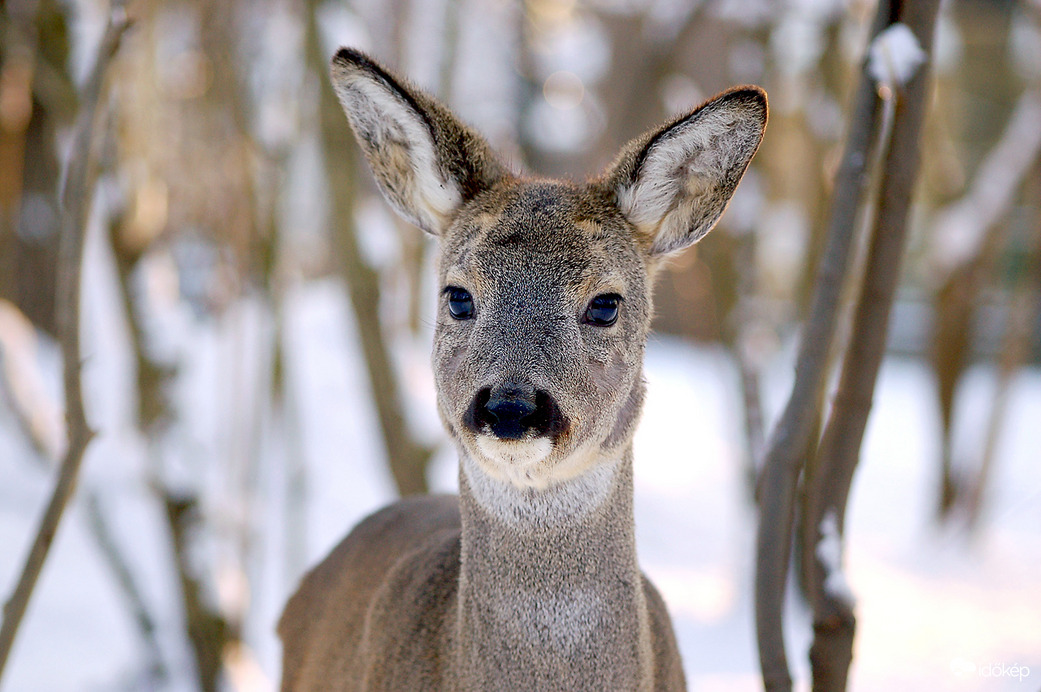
[(541, 327), (544, 286)]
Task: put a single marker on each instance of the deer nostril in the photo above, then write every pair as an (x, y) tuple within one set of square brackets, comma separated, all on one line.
[(511, 410)]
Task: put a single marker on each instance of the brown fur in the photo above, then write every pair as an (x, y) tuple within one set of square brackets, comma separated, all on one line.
[(529, 580)]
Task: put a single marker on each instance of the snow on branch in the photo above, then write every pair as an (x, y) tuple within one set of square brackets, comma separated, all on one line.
[(829, 554), (894, 56), (961, 228)]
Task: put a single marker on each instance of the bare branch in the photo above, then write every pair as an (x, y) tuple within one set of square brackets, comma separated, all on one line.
[(834, 624), (970, 237), (135, 601), (793, 436), (75, 205), (406, 457), (208, 632), (1023, 309), (962, 229)]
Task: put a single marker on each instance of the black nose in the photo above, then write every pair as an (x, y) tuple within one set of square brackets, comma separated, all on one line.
[(512, 409), (508, 411)]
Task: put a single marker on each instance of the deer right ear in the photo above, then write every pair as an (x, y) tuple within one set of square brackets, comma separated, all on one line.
[(426, 162)]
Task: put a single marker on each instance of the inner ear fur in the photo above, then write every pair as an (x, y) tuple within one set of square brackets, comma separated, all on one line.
[(673, 183), (425, 160)]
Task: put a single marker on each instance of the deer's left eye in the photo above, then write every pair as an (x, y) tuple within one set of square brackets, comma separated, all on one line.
[(603, 310)]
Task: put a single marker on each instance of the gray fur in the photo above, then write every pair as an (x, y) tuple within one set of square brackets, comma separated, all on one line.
[(529, 580)]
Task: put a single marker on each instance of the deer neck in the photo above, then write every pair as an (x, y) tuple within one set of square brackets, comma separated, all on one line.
[(551, 595)]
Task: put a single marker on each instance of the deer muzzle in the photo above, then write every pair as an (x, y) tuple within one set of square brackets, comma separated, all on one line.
[(515, 411)]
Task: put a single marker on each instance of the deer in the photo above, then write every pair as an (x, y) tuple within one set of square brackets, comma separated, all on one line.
[(528, 579)]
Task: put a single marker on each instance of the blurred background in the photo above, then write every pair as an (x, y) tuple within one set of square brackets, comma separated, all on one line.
[(256, 323)]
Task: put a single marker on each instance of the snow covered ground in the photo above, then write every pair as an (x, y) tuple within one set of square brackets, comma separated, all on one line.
[(936, 609)]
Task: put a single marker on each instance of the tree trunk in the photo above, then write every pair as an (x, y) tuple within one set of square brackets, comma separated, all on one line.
[(407, 458)]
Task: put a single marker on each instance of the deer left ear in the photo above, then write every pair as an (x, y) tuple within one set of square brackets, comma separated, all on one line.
[(673, 184)]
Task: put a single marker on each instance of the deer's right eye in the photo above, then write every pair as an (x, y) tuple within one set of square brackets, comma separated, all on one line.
[(460, 303)]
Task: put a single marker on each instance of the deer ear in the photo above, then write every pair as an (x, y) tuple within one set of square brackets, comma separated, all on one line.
[(426, 162), (674, 183)]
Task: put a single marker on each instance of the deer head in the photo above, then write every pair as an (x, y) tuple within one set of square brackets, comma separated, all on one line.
[(545, 286)]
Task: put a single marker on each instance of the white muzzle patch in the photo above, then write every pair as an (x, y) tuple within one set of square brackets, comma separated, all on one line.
[(514, 461)]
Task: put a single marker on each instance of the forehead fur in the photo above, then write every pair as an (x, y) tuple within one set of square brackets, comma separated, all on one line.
[(549, 225)]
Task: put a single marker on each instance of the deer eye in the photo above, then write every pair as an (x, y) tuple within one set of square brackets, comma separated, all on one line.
[(603, 310), (460, 303)]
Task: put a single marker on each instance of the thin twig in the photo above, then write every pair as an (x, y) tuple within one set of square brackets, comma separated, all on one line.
[(792, 438), (75, 205), (135, 600)]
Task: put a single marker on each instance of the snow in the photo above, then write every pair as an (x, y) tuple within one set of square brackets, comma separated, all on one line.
[(1025, 45), (829, 553), (935, 610), (894, 56)]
